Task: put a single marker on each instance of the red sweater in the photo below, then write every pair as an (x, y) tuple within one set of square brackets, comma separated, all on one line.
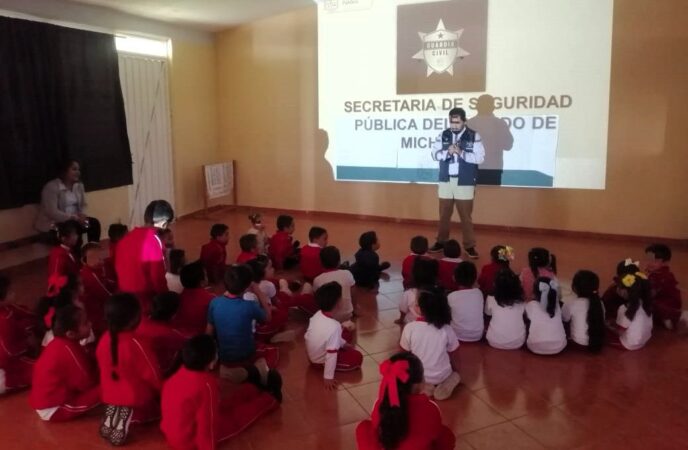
[(62, 372), (425, 431), (139, 380), (214, 259), (245, 257), (446, 274), (666, 296), (280, 248), (61, 261), (165, 341), (190, 406), (14, 323), (140, 263), (487, 277), (407, 269), (96, 292), (192, 316), (311, 266)]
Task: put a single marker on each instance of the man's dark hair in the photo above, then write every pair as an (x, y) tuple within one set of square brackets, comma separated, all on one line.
[(458, 112)]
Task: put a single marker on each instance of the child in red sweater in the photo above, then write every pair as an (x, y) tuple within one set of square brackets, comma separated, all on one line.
[(214, 253), (666, 296), (283, 250), (311, 266), (501, 256), (62, 259), (447, 265), (192, 317), (97, 288), (248, 244), (194, 416), (403, 417), (129, 371), (65, 377), (16, 327), (157, 329), (419, 248)]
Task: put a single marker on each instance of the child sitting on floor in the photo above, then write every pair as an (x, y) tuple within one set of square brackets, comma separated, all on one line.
[(214, 253), (283, 250), (633, 326), (62, 259), (97, 287), (507, 330), (424, 274), (258, 228), (585, 312), (330, 258), (116, 232), (419, 248), (248, 244), (325, 343), (176, 260), (65, 377), (165, 341), (367, 268), (311, 266), (193, 413), (452, 252), (192, 317), (501, 256), (666, 296), (541, 263), (432, 339), (467, 304), (546, 335)]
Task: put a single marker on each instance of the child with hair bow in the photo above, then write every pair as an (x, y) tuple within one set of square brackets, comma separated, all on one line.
[(546, 335)]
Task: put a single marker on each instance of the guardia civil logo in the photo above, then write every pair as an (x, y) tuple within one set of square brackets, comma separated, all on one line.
[(440, 49)]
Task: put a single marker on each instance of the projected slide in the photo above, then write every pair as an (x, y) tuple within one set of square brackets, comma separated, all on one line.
[(532, 75)]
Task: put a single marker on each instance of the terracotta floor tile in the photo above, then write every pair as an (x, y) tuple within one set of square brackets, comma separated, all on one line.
[(379, 341), (464, 412), (501, 436), (513, 402), (365, 395), (555, 429), (369, 373)]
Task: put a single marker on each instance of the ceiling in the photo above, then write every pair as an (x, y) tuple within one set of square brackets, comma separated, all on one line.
[(207, 15)]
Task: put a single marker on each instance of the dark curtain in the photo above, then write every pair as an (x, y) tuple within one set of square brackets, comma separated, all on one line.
[(60, 97)]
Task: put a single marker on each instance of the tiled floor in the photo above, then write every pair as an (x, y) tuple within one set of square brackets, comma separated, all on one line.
[(510, 400)]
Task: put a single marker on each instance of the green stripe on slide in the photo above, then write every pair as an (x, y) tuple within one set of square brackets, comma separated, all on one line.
[(530, 178)]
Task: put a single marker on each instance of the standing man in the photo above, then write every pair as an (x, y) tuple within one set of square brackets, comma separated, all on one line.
[(459, 150)]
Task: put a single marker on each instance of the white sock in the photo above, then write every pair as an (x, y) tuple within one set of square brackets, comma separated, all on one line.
[(307, 288)]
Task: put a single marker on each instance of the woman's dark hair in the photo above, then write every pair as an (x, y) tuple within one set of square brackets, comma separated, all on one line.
[(67, 228), (494, 254), (315, 233), (394, 420), (218, 230), (367, 240), (198, 352), (458, 112), (4, 286), (327, 296), (192, 275), (284, 221), (158, 211), (238, 277), (639, 294), (330, 257), (177, 259), (248, 242), (424, 272), (434, 306), (540, 258), (452, 249), (465, 273), (66, 319), (64, 165), (586, 284), (165, 306), (116, 232), (507, 290), (258, 269), (419, 245), (552, 295), (122, 313), (64, 298)]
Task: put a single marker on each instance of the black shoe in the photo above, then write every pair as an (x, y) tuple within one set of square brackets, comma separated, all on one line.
[(384, 266), (436, 248), (472, 253), (274, 384), (345, 265)]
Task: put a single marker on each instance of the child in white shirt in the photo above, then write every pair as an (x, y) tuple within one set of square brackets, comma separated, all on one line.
[(467, 304), (546, 335), (331, 258), (258, 228), (425, 272), (507, 330), (586, 312), (324, 342), (177, 260), (432, 339), (634, 319)]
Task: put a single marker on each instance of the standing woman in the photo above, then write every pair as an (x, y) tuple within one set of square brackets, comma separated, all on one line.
[(64, 199)]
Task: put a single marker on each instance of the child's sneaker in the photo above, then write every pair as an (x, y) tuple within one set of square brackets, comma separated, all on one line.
[(234, 374), (348, 325), (307, 288), (274, 384), (444, 390), (120, 425), (106, 425), (284, 336), (262, 365)]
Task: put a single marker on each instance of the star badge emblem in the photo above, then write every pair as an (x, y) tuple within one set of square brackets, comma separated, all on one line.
[(440, 49)]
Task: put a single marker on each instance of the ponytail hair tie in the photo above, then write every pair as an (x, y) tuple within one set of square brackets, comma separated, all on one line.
[(55, 284), (391, 373)]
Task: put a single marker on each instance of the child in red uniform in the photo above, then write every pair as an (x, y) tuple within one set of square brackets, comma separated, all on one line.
[(116, 232), (16, 326), (214, 253), (419, 247), (129, 372), (248, 244), (452, 252), (65, 378), (97, 288), (501, 256), (165, 341), (140, 263), (311, 266), (62, 259), (612, 297), (404, 418), (272, 331), (62, 291), (283, 251), (666, 296), (192, 317), (194, 417)]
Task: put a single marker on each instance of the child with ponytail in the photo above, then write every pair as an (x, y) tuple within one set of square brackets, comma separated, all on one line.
[(403, 418), (129, 372), (501, 256), (633, 327), (585, 312), (546, 335), (541, 263)]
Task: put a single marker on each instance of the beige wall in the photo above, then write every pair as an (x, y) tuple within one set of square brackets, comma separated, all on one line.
[(267, 90)]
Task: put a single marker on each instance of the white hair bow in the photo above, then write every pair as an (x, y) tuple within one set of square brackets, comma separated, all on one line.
[(544, 291), (630, 262)]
